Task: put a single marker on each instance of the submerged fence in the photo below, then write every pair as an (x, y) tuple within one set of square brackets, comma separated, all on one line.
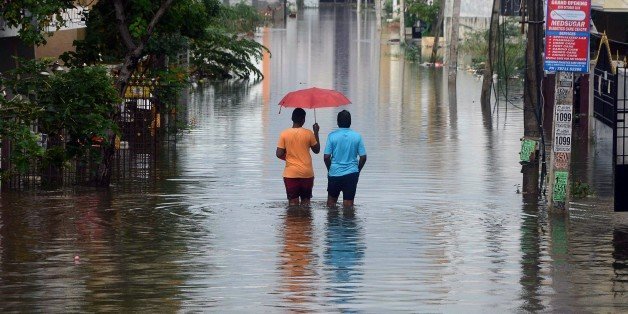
[(147, 128)]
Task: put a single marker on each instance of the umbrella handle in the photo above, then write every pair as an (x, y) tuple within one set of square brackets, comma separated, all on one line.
[(314, 115)]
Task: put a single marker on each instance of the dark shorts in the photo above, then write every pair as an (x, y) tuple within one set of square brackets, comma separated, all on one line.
[(299, 187), (346, 184)]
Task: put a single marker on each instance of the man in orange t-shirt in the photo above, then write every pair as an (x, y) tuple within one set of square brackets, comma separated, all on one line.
[(294, 147)]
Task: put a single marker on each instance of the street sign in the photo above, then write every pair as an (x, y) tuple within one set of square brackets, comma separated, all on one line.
[(567, 35), (562, 128)]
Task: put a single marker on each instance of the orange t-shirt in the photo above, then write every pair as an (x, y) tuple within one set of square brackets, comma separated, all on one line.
[(297, 143)]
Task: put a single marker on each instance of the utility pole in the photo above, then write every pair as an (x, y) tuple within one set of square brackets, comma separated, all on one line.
[(531, 94), (402, 21), (439, 26), (285, 13), (565, 64), (453, 45), (487, 79), (560, 158), (378, 14)]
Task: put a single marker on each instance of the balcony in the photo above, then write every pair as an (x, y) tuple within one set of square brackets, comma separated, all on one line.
[(74, 19)]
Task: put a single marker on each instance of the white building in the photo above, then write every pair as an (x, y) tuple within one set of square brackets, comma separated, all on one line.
[(60, 42), (474, 15)]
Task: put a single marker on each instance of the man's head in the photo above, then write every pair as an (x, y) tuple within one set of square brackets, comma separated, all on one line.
[(298, 116), (344, 119)]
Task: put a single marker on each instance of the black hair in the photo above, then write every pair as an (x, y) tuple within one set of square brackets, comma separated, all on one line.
[(344, 119), (298, 116)]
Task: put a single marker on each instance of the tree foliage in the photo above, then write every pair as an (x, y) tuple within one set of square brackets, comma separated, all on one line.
[(223, 55), (510, 48), (76, 106), (214, 33), (425, 12)]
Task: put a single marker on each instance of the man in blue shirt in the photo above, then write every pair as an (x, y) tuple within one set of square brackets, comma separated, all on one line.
[(341, 158)]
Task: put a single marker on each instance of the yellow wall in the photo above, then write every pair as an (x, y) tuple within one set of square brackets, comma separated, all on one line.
[(59, 43)]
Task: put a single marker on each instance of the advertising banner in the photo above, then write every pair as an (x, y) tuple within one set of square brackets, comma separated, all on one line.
[(567, 35)]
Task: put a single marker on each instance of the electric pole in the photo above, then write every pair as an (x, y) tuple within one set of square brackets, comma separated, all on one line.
[(487, 79), (453, 44), (531, 94)]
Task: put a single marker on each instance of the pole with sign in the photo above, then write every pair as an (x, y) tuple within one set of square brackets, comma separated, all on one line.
[(560, 157), (566, 53)]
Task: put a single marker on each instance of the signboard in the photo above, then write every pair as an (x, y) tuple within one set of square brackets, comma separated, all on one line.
[(567, 35), (560, 186), (134, 91), (528, 149), (562, 130)]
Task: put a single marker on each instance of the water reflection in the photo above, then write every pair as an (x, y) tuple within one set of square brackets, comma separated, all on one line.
[(344, 251), (620, 264), (297, 257), (38, 268), (530, 243)]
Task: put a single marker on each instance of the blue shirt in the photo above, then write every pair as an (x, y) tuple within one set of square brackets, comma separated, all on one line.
[(344, 145)]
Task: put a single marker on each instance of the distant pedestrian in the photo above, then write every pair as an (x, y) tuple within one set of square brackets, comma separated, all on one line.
[(294, 147), (341, 158)]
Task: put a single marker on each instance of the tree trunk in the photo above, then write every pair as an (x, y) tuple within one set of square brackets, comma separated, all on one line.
[(402, 21), (487, 80), (135, 51), (531, 93), (453, 44), (437, 32)]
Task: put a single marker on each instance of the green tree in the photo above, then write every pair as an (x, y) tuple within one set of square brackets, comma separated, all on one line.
[(509, 59), (147, 32), (74, 108), (425, 12)]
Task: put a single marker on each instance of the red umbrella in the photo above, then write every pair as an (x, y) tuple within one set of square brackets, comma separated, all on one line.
[(312, 98)]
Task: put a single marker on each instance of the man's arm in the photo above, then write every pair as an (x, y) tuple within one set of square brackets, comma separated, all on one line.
[(327, 159), (281, 153), (361, 162), (317, 147), (362, 154)]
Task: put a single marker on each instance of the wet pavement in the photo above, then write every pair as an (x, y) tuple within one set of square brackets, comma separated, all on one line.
[(438, 224)]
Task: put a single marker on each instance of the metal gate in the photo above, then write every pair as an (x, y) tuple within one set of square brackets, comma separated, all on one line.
[(609, 107), (147, 129), (620, 145)]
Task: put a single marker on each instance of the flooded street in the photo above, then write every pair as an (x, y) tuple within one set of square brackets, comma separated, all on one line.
[(438, 225)]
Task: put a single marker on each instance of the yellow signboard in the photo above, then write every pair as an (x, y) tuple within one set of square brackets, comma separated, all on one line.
[(137, 92)]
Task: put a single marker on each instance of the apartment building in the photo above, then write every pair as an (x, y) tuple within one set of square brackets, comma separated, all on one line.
[(59, 41)]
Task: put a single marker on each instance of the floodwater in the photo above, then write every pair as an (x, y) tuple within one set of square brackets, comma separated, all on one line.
[(438, 224)]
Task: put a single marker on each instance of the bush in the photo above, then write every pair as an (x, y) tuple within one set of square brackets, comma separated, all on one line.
[(75, 108), (510, 49)]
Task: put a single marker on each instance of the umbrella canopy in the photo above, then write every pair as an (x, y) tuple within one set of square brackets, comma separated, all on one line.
[(312, 98)]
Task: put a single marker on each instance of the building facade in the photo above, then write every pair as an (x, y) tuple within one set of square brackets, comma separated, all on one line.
[(58, 42)]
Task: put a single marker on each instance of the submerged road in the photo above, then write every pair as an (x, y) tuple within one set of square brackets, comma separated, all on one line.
[(438, 224)]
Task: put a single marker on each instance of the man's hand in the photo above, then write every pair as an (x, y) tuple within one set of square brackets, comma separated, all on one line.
[(317, 147), (281, 153)]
